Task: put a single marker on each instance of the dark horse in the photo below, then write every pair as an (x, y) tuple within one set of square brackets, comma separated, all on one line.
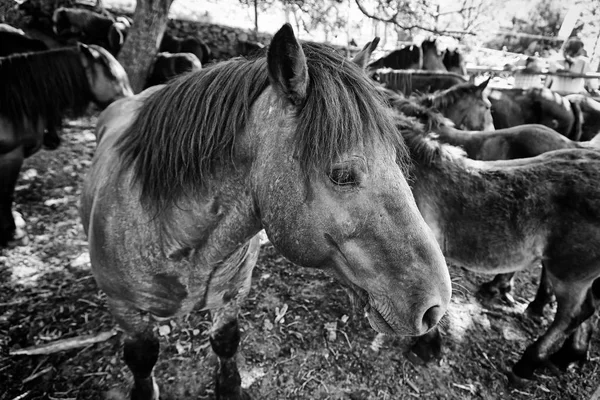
[(505, 216), (454, 62), (512, 107), (13, 43), (190, 44), (299, 143), (167, 66), (32, 101), (520, 141), (413, 81), (590, 111), (432, 56), (466, 105), (406, 57)]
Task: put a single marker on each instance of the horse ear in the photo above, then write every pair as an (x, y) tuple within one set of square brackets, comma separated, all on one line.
[(481, 87), (287, 66), (362, 57)]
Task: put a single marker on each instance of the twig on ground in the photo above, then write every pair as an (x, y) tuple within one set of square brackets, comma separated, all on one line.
[(65, 344)]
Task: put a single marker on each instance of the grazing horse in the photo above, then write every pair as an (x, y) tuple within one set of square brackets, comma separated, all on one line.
[(411, 81), (185, 175), (453, 61), (590, 111), (90, 27), (167, 66), (190, 44), (466, 105), (512, 107), (406, 57), (432, 56), (31, 102), (13, 43), (505, 216)]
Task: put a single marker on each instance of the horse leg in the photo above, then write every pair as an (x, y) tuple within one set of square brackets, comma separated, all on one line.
[(576, 347), (544, 295), (224, 340), (140, 351), (10, 165), (575, 304), (501, 285), (428, 346)]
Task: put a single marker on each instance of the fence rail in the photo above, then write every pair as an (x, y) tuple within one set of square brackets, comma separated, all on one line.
[(498, 70)]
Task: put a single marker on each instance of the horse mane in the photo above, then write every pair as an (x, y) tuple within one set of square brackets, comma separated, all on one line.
[(43, 86), (185, 130), (443, 99), (424, 148), (431, 120)]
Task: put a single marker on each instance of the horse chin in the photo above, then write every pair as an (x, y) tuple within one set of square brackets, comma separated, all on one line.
[(361, 299)]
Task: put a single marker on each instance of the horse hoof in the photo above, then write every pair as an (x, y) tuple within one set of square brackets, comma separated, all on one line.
[(145, 391), (515, 380), (508, 299), (534, 314)]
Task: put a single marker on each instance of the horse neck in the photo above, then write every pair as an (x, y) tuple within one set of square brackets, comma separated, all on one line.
[(467, 140)]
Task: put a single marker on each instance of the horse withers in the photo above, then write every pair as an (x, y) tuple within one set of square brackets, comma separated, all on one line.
[(185, 176), (32, 103)]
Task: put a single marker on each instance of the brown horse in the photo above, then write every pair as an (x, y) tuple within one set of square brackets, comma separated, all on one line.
[(521, 141), (466, 105), (36, 92), (512, 107), (505, 216), (299, 143)]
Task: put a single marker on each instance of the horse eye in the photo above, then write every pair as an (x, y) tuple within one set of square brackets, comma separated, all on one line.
[(343, 177)]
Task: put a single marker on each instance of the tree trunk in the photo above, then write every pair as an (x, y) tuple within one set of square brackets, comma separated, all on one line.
[(137, 55)]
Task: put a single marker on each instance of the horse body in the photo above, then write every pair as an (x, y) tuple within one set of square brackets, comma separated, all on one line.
[(168, 65), (188, 173), (590, 110), (511, 107), (190, 44), (504, 216), (31, 103), (407, 57), (13, 43)]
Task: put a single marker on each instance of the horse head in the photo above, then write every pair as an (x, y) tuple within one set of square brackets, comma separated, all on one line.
[(107, 79), (349, 203)]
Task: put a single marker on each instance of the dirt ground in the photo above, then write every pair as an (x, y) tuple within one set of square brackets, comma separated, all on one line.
[(301, 339)]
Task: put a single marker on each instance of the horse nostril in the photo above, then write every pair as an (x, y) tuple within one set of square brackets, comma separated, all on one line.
[(432, 316)]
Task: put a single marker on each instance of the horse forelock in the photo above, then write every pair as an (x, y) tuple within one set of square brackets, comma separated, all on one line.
[(43, 86), (170, 155)]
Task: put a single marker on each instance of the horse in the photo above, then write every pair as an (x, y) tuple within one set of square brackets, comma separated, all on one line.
[(190, 44), (412, 81), (406, 57), (167, 66), (90, 27), (249, 48), (12, 43), (31, 102), (520, 141), (432, 56), (185, 175), (590, 111), (505, 216), (466, 105), (515, 106), (453, 61)]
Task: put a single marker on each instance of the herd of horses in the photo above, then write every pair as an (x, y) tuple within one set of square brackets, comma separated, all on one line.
[(344, 174)]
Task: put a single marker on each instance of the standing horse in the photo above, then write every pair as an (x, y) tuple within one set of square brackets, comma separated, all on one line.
[(505, 216), (167, 66), (453, 61), (520, 141), (31, 101), (411, 81), (190, 44), (185, 175), (406, 57), (432, 56), (590, 111), (512, 107), (466, 105)]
